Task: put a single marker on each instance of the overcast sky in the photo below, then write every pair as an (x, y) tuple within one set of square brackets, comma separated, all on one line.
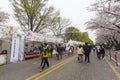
[(75, 10)]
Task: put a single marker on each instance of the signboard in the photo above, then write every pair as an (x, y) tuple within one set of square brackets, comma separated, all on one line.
[(15, 49), (30, 36)]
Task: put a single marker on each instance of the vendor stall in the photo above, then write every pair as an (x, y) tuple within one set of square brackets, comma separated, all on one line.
[(34, 40), (31, 49), (32, 43), (5, 43)]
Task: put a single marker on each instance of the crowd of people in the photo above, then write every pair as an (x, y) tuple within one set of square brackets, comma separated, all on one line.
[(58, 50), (47, 51), (86, 50)]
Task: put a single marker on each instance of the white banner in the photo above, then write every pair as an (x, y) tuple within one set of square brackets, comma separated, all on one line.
[(15, 49)]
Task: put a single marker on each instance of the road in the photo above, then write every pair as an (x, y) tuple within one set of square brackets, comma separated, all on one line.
[(66, 69)]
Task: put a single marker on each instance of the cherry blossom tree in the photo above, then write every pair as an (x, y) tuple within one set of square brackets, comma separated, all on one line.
[(3, 17), (107, 21)]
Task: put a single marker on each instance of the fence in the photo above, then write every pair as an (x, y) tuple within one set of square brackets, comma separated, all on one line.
[(115, 56)]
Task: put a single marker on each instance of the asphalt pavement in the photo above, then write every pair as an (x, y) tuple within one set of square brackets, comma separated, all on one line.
[(68, 69)]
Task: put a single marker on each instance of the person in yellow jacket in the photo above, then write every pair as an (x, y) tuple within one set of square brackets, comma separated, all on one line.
[(45, 55)]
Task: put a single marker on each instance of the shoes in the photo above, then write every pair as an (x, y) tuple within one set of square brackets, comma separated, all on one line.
[(41, 70)]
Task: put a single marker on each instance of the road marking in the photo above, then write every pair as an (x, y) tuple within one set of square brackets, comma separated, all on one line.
[(113, 69), (37, 74), (41, 76)]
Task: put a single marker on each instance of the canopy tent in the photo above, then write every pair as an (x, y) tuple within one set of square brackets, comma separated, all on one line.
[(30, 36), (18, 38), (71, 42)]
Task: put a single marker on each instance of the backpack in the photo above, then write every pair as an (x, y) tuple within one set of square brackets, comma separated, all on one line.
[(45, 50)]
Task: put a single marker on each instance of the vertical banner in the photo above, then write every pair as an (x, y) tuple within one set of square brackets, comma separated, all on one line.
[(14, 49)]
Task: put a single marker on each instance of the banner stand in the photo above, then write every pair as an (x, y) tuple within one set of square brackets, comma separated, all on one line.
[(14, 49)]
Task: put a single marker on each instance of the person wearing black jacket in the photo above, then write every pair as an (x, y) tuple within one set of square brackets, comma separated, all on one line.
[(102, 51), (87, 50), (59, 50)]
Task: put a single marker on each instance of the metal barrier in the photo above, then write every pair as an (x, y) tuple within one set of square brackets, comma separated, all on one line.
[(116, 58), (113, 57), (110, 54)]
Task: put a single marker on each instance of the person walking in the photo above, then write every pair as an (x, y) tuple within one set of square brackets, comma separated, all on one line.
[(87, 50), (98, 51), (59, 50), (51, 51), (41, 56), (80, 53), (102, 51), (71, 50), (45, 55)]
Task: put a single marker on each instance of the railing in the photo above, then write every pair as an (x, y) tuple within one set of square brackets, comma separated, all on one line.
[(115, 56), (110, 54)]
